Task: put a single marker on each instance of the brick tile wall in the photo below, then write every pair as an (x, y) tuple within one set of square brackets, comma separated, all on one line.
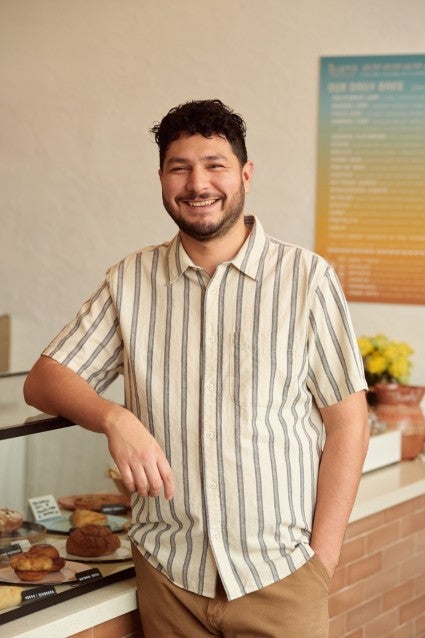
[(379, 587)]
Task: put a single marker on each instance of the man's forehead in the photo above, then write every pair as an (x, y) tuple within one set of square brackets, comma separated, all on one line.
[(185, 146)]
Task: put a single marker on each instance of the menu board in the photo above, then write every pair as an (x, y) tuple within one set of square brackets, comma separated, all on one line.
[(371, 175)]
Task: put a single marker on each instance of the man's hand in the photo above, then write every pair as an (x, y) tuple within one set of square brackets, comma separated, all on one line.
[(142, 463), (56, 389)]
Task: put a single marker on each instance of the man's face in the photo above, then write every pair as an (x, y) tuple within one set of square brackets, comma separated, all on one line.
[(204, 185)]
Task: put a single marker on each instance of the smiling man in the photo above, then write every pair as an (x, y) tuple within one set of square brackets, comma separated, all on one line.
[(244, 428)]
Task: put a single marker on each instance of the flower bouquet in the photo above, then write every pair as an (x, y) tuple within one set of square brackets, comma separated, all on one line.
[(385, 361)]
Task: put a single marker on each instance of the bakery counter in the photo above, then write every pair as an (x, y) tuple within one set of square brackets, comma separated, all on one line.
[(80, 589), (379, 490), (72, 616)]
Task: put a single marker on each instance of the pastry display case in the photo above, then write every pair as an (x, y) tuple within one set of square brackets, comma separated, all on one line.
[(49, 462)]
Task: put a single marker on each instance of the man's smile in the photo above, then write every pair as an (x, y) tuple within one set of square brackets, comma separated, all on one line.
[(200, 203)]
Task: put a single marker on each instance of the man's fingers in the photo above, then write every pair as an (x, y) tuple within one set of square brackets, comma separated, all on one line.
[(127, 477), (167, 479)]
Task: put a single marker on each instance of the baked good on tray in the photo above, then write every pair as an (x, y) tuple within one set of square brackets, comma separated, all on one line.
[(37, 562), (92, 540), (80, 517), (97, 501), (10, 520), (10, 596)]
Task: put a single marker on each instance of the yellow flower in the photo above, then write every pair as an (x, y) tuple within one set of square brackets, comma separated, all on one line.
[(376, 363), (404, 349), (385, 360), (399, 368), (391, 351), (365, 346)]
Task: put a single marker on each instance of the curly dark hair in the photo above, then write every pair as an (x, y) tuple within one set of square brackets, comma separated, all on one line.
[(206, 117)]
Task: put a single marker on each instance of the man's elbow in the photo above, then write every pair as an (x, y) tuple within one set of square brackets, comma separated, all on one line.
[(29, 391), (34, 382)]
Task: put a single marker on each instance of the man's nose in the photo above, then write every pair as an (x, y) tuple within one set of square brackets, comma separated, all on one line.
[(198, 179)]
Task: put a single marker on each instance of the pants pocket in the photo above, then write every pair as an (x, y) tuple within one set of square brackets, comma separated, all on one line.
[(321, 569)]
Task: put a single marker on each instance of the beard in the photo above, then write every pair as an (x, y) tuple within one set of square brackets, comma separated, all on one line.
[(204, 230)]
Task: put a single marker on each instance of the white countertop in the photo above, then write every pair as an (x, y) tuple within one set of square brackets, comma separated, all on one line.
[(72, 616), (389, 486), (378, 490)]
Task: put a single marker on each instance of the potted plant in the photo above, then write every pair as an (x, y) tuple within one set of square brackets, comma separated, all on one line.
[(396, 404)]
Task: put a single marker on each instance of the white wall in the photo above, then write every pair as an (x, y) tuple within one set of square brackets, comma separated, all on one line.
[(82, 82)]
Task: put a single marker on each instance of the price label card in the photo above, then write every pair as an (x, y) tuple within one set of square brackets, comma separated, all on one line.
[(38, 593), (9, 550), (117, 508), (88, 575), (44, 507)]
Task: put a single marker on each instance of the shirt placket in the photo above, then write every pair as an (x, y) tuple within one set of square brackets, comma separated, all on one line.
[(210, 435)]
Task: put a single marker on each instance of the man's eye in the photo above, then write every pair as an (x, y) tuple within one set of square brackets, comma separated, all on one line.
[(215, 166), (178, 169)]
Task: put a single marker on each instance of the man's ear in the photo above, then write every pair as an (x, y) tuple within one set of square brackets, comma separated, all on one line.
[(247, 172)]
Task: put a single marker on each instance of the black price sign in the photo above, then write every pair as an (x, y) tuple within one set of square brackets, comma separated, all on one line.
[(88, 575), (117, 508), (9, 550), (38, 593)]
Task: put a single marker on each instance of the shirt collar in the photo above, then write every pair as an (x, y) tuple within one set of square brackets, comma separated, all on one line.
[(246, 260)]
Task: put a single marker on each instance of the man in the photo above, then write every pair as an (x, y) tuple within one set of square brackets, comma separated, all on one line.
[(245, 424)]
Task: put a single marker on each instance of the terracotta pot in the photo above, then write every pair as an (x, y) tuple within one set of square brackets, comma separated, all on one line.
[(399, 407)]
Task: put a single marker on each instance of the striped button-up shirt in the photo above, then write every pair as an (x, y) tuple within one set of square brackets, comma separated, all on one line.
[(228, 373)]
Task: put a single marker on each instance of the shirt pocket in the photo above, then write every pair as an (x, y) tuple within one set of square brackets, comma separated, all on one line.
[(256, 372)]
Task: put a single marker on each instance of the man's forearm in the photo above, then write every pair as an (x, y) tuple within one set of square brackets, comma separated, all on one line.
[(55, 389), (339, 476)]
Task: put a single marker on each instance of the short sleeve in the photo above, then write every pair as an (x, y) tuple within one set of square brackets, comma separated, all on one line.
[(335, 365), (91, 344)]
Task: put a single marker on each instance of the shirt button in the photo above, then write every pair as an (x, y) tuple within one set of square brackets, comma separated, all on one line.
[(215, 535), (212, 485), (210, 386), (213, 291), (210, 435), (211, 338)]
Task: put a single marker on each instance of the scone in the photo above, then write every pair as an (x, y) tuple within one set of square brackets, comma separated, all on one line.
[(80, 517), (92, 540), (10, 520)]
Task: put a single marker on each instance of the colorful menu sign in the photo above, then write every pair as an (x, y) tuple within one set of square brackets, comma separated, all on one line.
[(371, 175)]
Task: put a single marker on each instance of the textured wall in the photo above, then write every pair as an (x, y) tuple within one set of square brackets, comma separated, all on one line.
[(83, 81), (378, 590)]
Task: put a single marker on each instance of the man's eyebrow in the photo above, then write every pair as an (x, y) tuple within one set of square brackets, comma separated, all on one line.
[(206, 158)]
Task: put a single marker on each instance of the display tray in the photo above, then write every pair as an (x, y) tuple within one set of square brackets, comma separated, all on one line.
[(33, 532), (72, 590), (94, 502), (67, 574), (123, 553), (63, 524)]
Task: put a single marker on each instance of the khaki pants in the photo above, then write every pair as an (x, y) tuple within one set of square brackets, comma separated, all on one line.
[(295, 607)]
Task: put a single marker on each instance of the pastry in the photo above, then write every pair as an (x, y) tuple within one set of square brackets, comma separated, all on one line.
[(10, 520), (82, 517), (37, 562), (92, 540), (97, 501), (10, 596), (44, 549), (30, 568)]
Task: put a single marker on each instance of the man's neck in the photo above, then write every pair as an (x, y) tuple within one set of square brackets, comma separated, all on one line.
[(209, 254)]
